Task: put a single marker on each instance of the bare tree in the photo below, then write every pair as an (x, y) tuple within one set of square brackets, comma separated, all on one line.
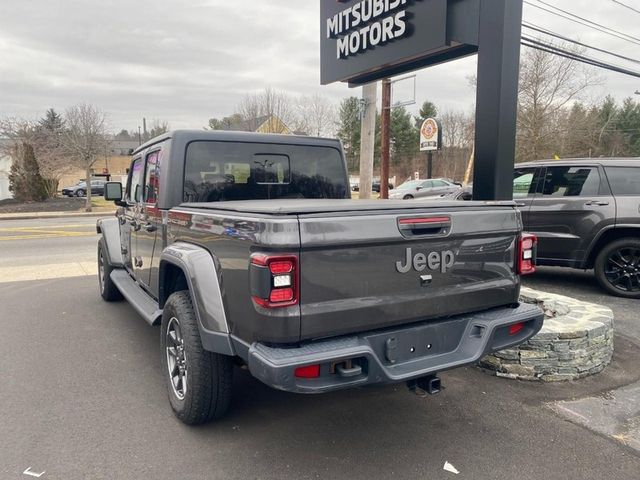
[(158, 127), (271, 103), (317, 115), (548, 85), (85, 139)]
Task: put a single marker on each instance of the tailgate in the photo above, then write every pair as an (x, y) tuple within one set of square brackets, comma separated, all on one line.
[(366, 270)]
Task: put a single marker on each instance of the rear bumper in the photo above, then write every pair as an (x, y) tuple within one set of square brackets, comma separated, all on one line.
[(395, 355)]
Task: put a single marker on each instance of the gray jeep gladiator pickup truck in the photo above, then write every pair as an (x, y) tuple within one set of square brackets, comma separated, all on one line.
[(248, 250)]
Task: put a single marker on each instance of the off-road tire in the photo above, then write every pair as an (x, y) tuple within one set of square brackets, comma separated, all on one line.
[(80, 193), (108, 289), (600, 266), (209, 375)]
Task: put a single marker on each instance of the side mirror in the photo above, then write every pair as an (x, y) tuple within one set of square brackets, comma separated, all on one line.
[(418, 189), (113, 192)]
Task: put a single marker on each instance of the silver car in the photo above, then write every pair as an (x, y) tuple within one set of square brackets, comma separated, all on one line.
[(435, 187)]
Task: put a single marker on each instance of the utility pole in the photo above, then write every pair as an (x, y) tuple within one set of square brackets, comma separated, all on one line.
[(385, 134), (139, 136), (367, 138)]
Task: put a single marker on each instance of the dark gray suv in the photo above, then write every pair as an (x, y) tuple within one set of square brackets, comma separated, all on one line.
[(586, 214)]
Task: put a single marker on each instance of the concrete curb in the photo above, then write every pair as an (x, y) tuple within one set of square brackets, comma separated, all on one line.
[(44, 215)]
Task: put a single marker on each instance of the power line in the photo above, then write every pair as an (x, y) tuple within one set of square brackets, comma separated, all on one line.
[(567, 39), (626, 6), (587, 20), (581, 23), (549, 48)]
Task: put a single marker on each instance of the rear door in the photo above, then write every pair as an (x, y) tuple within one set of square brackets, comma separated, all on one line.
[(149, 222), (369, 270), (573, 205)]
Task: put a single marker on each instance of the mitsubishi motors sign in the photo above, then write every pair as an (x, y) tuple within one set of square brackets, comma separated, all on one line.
[(362, 36)]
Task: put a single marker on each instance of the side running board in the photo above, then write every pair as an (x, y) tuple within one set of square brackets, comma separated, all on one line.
[(146, 306)]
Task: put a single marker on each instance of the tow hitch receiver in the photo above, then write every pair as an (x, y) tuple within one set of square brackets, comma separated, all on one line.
[(430, 384)]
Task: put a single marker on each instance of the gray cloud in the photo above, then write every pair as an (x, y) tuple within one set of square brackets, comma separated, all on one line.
[(185, 62)]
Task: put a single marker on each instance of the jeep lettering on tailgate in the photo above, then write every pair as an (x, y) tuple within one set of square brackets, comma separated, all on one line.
[(421, 261)]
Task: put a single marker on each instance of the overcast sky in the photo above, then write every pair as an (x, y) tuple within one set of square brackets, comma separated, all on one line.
[(186, 61)]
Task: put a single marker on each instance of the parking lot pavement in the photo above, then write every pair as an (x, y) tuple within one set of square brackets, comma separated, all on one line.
[(583, 286), (83, 397)]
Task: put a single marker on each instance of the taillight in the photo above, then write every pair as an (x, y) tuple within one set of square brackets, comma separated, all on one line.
[(526, 255), (516, 328), (310, 371), (274, 280)]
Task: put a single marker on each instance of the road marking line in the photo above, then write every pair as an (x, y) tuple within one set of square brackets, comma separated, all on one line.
[(32, 474), (46, 272), (38, 236), (17, 229)]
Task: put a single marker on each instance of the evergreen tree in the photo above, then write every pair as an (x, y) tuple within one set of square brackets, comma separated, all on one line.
[(349, 126), (428, 110), (51, 121), (25, 181)]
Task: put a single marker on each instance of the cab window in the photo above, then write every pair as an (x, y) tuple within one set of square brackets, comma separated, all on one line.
[(134, 185)]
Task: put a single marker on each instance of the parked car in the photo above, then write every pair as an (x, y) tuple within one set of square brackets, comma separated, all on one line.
[(435, 187), (586, 215), (80, 189), (375, 186), (308, 290)]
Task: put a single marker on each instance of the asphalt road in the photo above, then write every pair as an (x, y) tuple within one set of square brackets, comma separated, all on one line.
[(82, 396)]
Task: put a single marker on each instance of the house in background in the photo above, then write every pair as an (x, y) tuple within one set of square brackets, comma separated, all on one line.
[(5, 167), (263, 124)]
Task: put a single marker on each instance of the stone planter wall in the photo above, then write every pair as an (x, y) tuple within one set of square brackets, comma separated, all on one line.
[(575, 341)]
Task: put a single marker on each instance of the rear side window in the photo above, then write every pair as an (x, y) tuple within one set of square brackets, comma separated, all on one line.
[(134, 186), (152, 178), (221, 171), (571, 181), (624, 180)]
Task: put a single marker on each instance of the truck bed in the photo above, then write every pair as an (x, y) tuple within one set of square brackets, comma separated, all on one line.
[(363, 265), (318, 206)]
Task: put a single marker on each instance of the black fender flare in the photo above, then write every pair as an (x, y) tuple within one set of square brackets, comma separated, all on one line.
[(109, 228), (202, 276)]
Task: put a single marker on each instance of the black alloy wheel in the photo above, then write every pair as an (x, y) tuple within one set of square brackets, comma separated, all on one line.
[(617, 268)]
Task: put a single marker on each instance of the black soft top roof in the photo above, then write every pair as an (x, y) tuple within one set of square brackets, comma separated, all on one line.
[(187, 136)]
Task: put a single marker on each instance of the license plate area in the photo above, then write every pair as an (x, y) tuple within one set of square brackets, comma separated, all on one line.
[(401, 346)]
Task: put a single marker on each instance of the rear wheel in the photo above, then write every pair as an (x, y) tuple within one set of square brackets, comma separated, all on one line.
[(108, 289), (408, 197), (198, 381), (617, 268)]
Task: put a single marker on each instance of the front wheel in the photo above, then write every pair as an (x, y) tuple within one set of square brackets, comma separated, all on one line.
[(80, 193), (408, 197), (108, 289), (199, 382), (617, 268)]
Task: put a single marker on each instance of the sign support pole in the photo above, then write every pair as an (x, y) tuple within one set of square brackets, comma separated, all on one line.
[(497, 98), (368, 139), (385, 134), (429, 164)]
